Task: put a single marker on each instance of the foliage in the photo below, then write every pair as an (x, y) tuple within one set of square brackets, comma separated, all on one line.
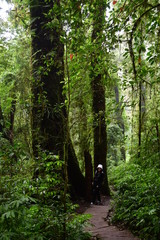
[(115, 136), (136, 199), (134, 31), (34, 208), (127, 57), (15, 74)]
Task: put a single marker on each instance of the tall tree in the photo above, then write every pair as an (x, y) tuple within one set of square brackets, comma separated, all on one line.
[(78, 87), (144, 67), (98, 89), (49, 113), (120, 121)]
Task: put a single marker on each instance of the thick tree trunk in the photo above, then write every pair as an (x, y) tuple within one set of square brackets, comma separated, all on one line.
[(49, 116), (48, 111), (98, 90)]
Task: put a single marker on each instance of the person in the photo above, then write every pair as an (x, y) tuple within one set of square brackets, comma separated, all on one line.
[(96, 185)]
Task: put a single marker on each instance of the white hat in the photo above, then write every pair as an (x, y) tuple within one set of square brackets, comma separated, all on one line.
[(100, 166)]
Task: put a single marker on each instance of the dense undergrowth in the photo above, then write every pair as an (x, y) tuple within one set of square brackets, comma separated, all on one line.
[(35, 208), (137, 198)]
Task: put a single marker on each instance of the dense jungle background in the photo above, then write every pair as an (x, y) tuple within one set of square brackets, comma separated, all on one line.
[(79, 86)]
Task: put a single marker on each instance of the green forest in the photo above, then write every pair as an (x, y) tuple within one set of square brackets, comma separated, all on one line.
[(79, 86)]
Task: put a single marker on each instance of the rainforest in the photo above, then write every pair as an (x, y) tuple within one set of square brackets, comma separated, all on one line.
[(79, 87)]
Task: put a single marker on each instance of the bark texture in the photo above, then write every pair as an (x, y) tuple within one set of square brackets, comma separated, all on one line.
[(98, 90), (49, 118)]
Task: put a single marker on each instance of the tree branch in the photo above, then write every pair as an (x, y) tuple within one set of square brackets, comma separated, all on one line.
[(134, 9), (136, 24)]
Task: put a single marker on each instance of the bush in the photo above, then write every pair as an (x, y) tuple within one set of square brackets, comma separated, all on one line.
[(36, 208), (22, 218), (137, 199)]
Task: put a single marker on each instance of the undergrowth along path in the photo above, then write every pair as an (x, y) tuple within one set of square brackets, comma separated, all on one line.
[(100, 228)]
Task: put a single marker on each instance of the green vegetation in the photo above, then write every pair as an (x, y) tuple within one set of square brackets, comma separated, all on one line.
[(136, 199), (35, 208), (79, 86)]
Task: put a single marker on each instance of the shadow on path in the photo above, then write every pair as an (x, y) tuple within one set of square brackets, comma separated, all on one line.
[(100, 228)]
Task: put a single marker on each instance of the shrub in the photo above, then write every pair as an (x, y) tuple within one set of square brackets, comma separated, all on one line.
[(137, 199), (35, 208)]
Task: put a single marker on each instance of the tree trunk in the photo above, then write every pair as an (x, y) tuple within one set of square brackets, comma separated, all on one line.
[(12, 115), (8, 133), (48, 111), (140, 120), (49, 117), (120, 122), (76, 178), (88, 175), (98, 90), (1, 122)]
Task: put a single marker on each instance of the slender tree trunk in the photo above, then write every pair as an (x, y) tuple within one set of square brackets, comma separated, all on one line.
[(132, 121), (140, 119), (158, 137), (158, 51), (88, 175), (12, 115), (157, 132), (98, 90), (140, 103), (8, 132), (120, 122), (1, 122)]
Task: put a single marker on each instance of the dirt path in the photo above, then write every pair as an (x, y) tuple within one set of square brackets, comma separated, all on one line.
[(100, 228)]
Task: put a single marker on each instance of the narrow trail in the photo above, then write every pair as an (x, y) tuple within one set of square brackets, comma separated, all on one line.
[(100, 228)]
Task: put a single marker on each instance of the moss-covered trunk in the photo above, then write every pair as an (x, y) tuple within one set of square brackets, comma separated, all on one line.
[(49, 117), (98, 90)]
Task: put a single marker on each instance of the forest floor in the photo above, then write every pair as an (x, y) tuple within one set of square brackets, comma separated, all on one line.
[(99, 224)]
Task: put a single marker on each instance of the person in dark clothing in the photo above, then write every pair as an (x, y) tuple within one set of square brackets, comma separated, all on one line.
[(96, 185)]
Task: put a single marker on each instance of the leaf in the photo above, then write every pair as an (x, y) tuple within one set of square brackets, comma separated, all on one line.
[(152, 211), (8, 214), (114, 2), (71, 56)]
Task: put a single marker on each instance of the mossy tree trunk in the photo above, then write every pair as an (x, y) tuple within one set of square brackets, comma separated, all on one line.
[(98, 89), (49, 117)]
